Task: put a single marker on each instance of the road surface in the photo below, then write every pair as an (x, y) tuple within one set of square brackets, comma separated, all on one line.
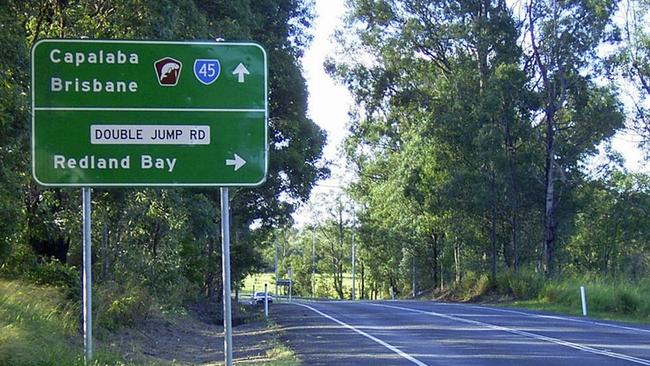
[(429, 333)]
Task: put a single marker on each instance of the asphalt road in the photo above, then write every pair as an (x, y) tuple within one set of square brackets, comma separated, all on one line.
[(429, 333)]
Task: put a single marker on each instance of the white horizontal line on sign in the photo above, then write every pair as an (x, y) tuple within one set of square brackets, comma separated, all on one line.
[(149, 135), (149, 109)]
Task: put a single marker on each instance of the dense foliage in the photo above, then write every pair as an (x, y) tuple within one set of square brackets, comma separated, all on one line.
[(160, 242), (481, 141)]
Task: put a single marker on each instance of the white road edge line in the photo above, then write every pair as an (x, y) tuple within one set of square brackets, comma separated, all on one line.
[(375, 339), (557, 317), (526, 334)]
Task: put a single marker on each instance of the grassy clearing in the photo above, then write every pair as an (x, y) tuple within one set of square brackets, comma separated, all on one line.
[(39, 326), (256, 282), (323, 285)]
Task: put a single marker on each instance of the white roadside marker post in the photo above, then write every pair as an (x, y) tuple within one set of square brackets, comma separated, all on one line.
[(583, 296), (290, 283), (266, 301)]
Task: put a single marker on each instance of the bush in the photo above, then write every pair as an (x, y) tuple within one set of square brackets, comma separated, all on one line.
[(57, 274), (525, 285), (122, 305)]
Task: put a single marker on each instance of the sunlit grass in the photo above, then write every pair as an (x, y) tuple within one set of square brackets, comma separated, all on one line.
[(323, 285), (38, 326), (606, 299)]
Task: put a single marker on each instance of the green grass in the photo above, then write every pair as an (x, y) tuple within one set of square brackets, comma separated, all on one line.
[(256, 283), (38, 326), (606, 299), (324, 285), (279, 354)]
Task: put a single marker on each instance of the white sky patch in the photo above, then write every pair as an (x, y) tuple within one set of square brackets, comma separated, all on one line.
[(329, 101)]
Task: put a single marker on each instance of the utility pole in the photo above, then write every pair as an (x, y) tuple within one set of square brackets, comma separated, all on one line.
[(275, 265), (313, 264), (353, 268)]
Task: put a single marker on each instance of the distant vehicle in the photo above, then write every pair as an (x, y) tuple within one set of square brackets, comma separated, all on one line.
[(258, 298)]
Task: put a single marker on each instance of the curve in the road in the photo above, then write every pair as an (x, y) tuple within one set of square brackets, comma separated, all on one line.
[(411, 348), (557, 341)]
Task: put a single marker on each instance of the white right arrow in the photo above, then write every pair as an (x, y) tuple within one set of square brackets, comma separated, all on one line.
[(238, 162), (240, 71)]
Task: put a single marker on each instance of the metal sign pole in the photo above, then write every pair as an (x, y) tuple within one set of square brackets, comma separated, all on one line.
[(225, 265), (87, 277), (313, 264), (353, 267), (275, 265)]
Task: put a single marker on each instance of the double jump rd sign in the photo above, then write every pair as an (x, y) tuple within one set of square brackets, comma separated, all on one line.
[(139, 113)]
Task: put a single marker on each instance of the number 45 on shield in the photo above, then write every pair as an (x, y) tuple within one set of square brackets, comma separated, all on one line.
[(207, 71)]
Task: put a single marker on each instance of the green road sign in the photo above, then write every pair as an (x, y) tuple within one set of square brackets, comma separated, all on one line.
[(139, 113)]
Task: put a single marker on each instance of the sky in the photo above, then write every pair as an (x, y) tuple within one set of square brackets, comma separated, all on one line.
[(329, 103)]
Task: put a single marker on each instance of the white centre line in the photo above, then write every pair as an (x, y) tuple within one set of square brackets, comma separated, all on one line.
[(375, 339), (557, 341)]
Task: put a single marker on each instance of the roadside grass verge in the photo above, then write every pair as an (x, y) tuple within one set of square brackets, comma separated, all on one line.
[(607, 298), (278, 353), (39, 326)]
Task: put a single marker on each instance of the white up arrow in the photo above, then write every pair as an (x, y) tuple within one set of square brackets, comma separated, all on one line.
[(240, 71), (238, 162)]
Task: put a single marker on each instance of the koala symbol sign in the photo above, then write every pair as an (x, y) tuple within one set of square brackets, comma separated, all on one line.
[(168, 71)]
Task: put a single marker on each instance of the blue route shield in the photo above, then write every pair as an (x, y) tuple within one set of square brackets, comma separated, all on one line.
[(207, 71)]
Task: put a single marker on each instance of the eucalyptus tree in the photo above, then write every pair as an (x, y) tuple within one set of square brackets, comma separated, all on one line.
[(443, 102), (576, 114)]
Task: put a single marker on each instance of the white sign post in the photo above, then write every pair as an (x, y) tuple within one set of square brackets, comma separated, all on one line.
[(266, 301)]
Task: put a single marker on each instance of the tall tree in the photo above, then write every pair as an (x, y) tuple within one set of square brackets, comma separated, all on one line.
[(563, 38)]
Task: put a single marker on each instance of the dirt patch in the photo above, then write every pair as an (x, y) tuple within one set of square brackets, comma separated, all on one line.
[(195, 338)]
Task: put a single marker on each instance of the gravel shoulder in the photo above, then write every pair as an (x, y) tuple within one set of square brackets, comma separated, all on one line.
[(195, 339)]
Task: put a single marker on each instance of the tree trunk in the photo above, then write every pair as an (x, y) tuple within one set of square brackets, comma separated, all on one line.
[(210, 292), (493, 225), (363, 281), (553, 99), (434, 247), (104, 246), (514, 196), (549, 194)]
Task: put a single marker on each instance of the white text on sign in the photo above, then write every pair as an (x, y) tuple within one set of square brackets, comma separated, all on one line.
[(149, 135)]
